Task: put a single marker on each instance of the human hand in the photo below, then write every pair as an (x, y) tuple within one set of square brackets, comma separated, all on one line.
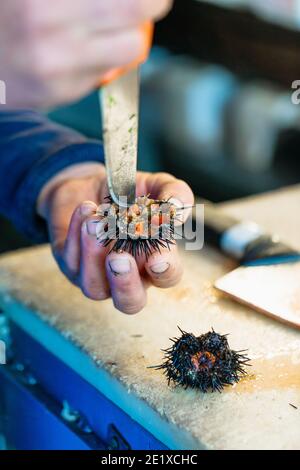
[(56, 51), (69, 206)]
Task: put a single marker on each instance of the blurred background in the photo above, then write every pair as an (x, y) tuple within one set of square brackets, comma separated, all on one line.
[(216, 106)]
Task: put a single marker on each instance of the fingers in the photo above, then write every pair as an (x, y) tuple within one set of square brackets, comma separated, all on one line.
[(120, 13), (127, 289), (93, 280), (97, 274), (57, 56), (70, 45), (104, 14), (107, 34), (166, 186), (180, 194), (65, 240), (66, 74), (85, 262), (116, 48), (164, 269), (72, 246)]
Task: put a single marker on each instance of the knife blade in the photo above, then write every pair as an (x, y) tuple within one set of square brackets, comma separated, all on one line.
[(268, 276), (120, 113)]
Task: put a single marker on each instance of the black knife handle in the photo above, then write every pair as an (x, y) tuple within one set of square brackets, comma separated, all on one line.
[(241, 240), (216, 224)]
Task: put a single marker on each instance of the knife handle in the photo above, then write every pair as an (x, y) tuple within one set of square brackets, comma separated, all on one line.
[(147, 30), (241, 240)]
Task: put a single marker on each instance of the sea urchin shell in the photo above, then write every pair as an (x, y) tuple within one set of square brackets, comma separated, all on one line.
[(205, 362), (142, 228)]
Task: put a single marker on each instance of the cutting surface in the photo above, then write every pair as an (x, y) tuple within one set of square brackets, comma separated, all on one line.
[(256, 413)]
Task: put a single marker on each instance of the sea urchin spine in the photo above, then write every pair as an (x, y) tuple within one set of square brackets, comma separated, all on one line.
[(205, 362)]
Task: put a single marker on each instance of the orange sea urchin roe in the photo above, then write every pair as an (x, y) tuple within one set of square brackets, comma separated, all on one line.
[(145, 217), (140, 229), (203, 360), (150, 210)]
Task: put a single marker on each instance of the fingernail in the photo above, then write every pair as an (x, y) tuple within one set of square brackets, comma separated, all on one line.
[(87, 209), (93, 227), (120, 266), (160, 268), (176, 202)]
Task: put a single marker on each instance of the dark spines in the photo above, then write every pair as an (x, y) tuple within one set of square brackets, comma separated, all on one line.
[(205, 362)]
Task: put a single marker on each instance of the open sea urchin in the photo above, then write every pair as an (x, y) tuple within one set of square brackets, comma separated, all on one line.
[(205, 362), (142, 228)]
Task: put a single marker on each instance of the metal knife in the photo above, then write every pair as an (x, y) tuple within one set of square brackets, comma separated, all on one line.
[(268, 276), (120, 113)]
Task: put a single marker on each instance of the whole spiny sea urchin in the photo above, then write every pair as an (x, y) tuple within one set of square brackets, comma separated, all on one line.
[(140, 229), (205, 362)]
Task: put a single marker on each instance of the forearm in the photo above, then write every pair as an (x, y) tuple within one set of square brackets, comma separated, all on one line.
[(34, 151)]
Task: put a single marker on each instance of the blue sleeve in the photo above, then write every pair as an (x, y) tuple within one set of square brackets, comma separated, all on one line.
[(32, 150)]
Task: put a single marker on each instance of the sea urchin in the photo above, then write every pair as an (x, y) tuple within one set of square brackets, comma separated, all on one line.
[(140, 229), (205, 362)]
